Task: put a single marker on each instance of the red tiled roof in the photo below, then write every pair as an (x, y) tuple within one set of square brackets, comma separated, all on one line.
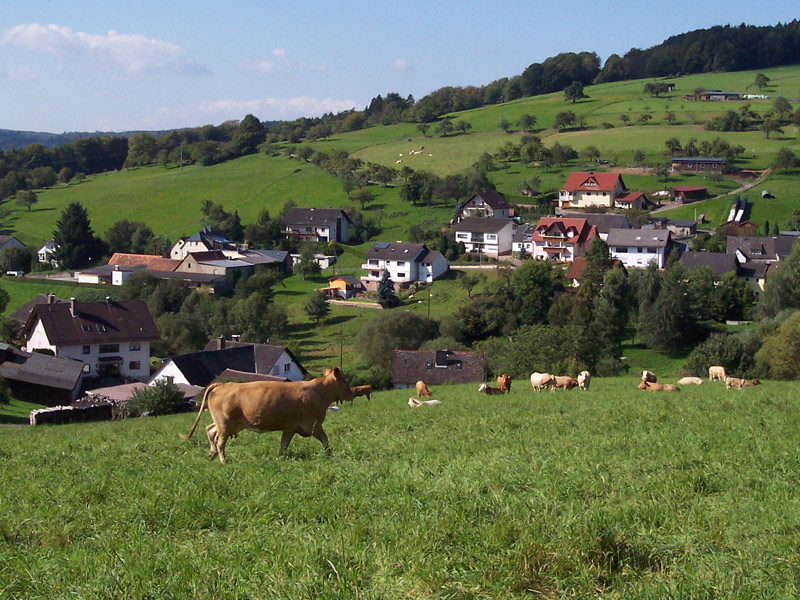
[(629, 197), (576, 268), (583, 232), (582, 180), (690, 188), (150, 261)]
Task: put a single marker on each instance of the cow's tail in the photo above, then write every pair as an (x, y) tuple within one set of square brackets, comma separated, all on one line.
[(209, 389)]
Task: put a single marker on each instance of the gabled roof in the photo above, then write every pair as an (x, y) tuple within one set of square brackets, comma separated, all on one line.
[(603, 222), (39, 369), (481, 225), (690, 188), (628, 197), (264, 355), (149, 261), (761, 248), (207, 255), (313, 217), (696, 159), (348, 279), (410, 366), (576, 268), (94, 322), (262, 257), (587, 181), (22, 314), (640, 238), (720, 263), (209, 237), (399, 250), (201, 368), (430, 257), (575, 230), (494, 200), (4, 239), (245, 377), (524, 234)]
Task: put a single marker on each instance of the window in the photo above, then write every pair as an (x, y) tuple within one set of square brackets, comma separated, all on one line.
[(87, 349), (401, 263), (401, 274), (101, 328), (135, 347), (458, 365), (108, 348), (428, 365), (86, 328), (134, 365)]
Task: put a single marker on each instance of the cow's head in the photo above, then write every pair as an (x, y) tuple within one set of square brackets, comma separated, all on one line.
[(338, 385)]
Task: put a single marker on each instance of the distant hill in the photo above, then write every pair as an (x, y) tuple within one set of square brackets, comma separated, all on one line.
[(15, 140)]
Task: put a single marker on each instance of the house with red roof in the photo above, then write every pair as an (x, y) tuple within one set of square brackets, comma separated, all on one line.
[(585, 188), (561, 239)]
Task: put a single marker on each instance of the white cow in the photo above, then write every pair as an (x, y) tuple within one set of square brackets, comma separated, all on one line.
[(584, 379), (539, 381)]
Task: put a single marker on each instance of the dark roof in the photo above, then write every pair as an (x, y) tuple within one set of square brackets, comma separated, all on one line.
[(4, 239), (263, 257), (524, 233), (201, 368), (603, 222), (245, 377), (644, 238), (430, 257), (696, 159), (265, 355), (313, 216), (207, 255), (348, 279), (410, 366), (39, 369), (762, 248), (26, 309), (482, 225), (209, 237), (720, 263), (681, 223), (494, 200), (399, 250), (94, 322)]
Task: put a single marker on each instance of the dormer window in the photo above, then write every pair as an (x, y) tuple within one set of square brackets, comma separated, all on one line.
[(86, 328), (102, 328)]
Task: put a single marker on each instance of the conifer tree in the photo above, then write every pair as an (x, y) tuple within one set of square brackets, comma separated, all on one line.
[(76, 244)]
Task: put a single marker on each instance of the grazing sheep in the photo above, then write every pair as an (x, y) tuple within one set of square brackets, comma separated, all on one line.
[(690, 381)]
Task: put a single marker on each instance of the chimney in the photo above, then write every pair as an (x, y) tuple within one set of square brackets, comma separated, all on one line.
[(108, 299), (221, 342), (51, 298), (73, 307)]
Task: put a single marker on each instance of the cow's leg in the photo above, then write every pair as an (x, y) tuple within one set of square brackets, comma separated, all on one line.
[(220, 441), (285, 439), (211, 432), (319, 433)]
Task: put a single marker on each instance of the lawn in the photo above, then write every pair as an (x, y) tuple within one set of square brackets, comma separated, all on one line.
[(613, 492)]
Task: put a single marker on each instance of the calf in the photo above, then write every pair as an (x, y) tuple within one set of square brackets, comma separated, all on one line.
[(751, 382), (362, 390), (489, 390), (658, 387), (566, 383), (733, 382), (716, 373), (422, 389), (504, 383)]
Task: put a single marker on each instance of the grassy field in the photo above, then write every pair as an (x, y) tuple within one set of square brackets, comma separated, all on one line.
[(610, 493)]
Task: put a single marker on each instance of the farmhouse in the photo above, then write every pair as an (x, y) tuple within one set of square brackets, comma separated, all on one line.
[(719, 96), (110, 338), (639, 247), (561, 239), (40, 378), (486, 236), (406, 263), (317, 224), (602, 222), (9, 241), (436, 367), (760, 249), (46, 253), (201, 368), (205, 240), (485, 204), (754, 273), (696, 164), (585, 189)]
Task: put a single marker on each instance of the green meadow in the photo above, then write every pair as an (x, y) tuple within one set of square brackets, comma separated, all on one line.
[(613, 492)]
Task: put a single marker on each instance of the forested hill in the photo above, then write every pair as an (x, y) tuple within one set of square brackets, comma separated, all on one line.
[(15, 140)]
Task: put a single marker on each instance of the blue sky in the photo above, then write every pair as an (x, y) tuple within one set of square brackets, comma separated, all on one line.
[(87, 65)]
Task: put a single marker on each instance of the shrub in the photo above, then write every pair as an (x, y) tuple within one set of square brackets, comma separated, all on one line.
[(161, 398), (734, 352)]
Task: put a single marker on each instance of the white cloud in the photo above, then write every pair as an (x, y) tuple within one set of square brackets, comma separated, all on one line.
[(15, 72), (131, 53), (400, 64), (280, 63)]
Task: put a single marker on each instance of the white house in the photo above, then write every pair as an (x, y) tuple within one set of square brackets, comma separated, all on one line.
[(317, 224), (201, 368), (205, 240), (485, 204), (586, 188), (406, 263), (487, 236), (110, 338), (45, 254), (639, 247)]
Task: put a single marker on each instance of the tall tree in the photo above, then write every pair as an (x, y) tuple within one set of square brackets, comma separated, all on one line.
[(76, 244), (574, 91), (317, 307), (26, 198)]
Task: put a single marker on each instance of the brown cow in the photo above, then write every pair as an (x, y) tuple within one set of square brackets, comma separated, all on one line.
[(733, 382), (362, 390), (294, 407), (566, 383), (489, 390), (751, 382), (504, 383), (422, 389), (658, 387)]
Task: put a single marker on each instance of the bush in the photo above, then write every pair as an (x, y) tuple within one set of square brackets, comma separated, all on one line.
[(734, 352), (161, 398)]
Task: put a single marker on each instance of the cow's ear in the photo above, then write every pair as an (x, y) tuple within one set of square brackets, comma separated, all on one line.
[(337, 372), (326, 372)]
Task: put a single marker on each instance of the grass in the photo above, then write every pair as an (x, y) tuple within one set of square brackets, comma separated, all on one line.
[(17, 412), (22, 290), (613, 492)]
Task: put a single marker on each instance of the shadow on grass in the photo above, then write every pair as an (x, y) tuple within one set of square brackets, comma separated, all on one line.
[(9, 419)]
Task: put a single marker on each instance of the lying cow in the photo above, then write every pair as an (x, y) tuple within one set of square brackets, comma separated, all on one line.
[(294, 407), (649, 376), (751, 382), (414, 403), (740, 383), (504, 383), (362, 390), (658, 387), (690, 381), (539, 381), (716, 373), (584, 379), (566, 383), (422, 389), (489, 390)]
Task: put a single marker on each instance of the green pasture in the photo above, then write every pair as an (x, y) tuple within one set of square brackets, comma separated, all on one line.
[(613, 492), (24, 290)]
